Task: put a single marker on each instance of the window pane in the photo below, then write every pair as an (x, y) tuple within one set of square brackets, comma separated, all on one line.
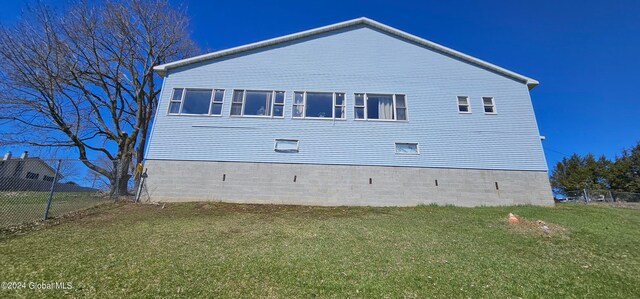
[(196, 102), (286, 145), (279, 97), (297, 110), (488, 109), (400, 101), (219, 94), (339, 112), (402, 113), (487, 101), (216, 109), (406, 148), (237, 96), (463, 100), (278, 110), (174, 107), (257, 103), (359, 99), (359, 113), (339, 99), (319, 105), (299, 99), (177, 94), (379, 107), (463, 108), (236, 109)]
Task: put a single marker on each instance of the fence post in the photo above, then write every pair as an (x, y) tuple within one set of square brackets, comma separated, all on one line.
[(586, 198), (53, 184)]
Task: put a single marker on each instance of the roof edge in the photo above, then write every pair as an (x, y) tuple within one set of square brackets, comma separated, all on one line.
[(531, 83)]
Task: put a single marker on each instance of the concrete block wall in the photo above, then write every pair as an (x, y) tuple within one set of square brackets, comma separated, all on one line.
[(342, 185)]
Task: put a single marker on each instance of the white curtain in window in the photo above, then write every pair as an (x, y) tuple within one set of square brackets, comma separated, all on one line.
[(385, 108)]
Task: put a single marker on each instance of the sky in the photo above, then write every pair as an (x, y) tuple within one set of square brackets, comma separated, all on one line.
[(584, 53)]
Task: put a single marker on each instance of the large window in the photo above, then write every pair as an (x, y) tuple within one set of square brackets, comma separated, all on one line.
[(196, 101), (319, 105), (380, 106), (257, 103)]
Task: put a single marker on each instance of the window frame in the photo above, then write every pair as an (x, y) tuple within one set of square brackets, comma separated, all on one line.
[(395, 107), (417, 144), (333, 105), (32, 176), (468, 104), (273, 101), (211, 101), (493, 105), (275, 145)]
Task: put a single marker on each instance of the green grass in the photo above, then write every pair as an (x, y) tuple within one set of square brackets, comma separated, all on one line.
[(25, 206), (225, 250)]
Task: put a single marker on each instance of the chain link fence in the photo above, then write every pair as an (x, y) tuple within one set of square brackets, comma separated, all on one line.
[(34, 189), (587, 195)]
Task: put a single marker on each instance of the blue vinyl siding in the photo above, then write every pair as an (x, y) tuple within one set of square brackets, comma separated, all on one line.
[(355, 60)]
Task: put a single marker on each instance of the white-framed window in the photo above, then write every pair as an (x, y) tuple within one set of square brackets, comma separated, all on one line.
[(286, 145), (463, 104), (195, 101), (407, 148), (329, 105), (489, 105), (257, 103), (380, 106)]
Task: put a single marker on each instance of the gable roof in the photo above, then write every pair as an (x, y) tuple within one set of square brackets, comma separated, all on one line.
[(531, 83)]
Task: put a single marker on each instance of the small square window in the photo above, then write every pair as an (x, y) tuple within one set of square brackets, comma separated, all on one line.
[(407, 148), (489, 105), (286, 145), (463, 105)]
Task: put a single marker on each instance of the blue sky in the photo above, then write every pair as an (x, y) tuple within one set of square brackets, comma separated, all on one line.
[(584, 53)]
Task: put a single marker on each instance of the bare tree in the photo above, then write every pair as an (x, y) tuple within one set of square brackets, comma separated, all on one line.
[(84, 79)]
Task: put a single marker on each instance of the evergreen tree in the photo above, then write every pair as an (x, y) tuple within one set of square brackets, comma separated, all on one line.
[(624, 173), (576, 172)]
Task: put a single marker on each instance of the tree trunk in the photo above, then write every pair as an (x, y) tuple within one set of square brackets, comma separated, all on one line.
[(120, 176)]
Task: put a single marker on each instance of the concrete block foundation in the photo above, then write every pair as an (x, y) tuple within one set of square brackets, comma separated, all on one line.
[(342, 185)]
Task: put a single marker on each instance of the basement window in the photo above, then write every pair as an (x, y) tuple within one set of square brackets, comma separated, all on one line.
[(286, 145), (405, 148)]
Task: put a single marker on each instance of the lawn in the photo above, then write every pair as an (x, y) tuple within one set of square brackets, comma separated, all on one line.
[(24, 206), (225, 250)]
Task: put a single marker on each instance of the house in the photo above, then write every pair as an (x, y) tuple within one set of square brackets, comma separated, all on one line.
[(26, 173), (354, 113), (25, 167)]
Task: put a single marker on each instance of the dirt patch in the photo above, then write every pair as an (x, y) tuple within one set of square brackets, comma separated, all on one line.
[(538, 228)]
